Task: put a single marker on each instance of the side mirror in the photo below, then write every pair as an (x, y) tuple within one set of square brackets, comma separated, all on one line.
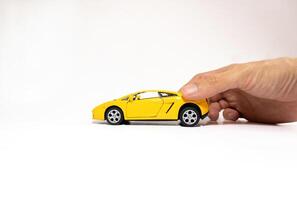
[(137, 97)]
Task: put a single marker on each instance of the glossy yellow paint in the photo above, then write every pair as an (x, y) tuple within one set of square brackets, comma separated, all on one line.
[(154, 108)]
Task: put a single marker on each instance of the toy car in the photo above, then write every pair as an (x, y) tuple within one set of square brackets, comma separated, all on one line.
[(152, 105)]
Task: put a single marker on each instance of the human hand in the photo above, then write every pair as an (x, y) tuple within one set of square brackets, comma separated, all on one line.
[(262, 91)]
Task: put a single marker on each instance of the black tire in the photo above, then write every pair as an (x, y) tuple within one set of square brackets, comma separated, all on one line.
[(189, 116), (114, 116)]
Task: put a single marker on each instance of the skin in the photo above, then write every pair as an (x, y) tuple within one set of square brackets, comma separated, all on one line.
[(262, 91)]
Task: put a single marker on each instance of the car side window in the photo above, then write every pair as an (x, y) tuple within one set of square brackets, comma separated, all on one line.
[(147, 95)]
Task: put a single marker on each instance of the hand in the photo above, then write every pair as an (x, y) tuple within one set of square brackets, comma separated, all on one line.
[(263, 91)]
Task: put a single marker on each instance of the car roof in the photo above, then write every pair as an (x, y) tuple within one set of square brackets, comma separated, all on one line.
[(165, 91)]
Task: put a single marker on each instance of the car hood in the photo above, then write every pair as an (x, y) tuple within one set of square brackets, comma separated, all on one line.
[(104, 105)]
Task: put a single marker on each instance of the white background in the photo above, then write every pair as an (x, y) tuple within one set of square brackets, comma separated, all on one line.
[(59, 59)]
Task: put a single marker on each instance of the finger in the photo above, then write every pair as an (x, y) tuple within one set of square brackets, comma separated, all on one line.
[(214, 110), (215, 98), (223, 103), (231, 114), (209, 84)]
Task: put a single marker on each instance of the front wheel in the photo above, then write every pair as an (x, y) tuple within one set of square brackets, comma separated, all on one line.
[(114, 116), (189, 116)]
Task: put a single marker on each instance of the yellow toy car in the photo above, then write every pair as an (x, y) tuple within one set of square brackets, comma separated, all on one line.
[(152, 105)]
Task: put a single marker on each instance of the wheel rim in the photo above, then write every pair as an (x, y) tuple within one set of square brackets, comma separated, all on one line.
[(114, 116), (190, 117)]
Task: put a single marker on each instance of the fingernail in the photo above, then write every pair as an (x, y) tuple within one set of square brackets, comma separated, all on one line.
[(190, 91)]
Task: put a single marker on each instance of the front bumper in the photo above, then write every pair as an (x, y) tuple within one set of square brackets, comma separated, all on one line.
[(98, 113)]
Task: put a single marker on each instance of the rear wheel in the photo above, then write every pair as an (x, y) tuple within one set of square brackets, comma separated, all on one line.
[(189, 116), (114, 116)]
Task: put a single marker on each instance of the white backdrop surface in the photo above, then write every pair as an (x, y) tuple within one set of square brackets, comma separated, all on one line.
[(58, 59)]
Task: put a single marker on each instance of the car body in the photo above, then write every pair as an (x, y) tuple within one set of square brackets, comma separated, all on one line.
[(152, 105)]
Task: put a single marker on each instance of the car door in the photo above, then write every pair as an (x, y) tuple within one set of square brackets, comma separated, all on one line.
[(169, 100), (144, 105)]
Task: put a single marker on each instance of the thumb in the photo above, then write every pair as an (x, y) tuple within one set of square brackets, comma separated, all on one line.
[(208, 84)]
